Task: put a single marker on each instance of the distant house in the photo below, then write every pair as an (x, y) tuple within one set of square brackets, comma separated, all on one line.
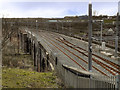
[(109, 17), (110, 31)]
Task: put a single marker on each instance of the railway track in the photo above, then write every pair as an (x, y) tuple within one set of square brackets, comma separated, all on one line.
[(71, 45), (107, 61), (98, 62), (95, 60), (111, 63), (96, 42), (80, 59)]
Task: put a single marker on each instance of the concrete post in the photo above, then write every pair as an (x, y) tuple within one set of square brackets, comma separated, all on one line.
[(34, 52), (25, 43), (29, 45), (40, 60), (90, 39), (90, 42)]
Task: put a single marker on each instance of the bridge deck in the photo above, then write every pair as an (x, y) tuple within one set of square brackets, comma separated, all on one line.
[(73, 52)]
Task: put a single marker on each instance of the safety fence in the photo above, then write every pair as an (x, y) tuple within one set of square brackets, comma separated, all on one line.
[(74, 78)]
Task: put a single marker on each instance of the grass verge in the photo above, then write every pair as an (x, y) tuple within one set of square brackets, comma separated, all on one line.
[(20, 78)]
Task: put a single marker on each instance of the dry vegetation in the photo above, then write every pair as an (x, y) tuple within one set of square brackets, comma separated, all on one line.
[(18, 70)]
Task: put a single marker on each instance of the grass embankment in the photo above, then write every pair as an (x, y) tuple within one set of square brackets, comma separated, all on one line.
[(19, 78), (18, 71)]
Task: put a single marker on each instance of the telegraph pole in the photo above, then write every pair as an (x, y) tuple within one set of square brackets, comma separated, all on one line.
[(90, 38)]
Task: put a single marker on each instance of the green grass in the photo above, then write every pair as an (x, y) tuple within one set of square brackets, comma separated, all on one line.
[(17, 71), (19, 78)]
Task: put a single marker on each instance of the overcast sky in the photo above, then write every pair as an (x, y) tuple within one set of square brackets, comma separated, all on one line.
[(55, 9)]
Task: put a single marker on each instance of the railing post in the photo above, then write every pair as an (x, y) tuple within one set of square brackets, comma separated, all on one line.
[(117, 83)]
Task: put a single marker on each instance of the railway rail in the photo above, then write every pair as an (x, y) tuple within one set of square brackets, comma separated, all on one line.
[(107, 61), (76, 56), (96, 62), (60, 43), (105, 66), (73, 45)]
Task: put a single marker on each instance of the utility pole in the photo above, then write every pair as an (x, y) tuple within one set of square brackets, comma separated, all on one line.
[(18, 34), (116, 38), (62, 25), (69, 27), (90, 38), (101, 31), (27, 23), (36, 25), (46, 25), (57, 25), (31, 31), (117, 85)]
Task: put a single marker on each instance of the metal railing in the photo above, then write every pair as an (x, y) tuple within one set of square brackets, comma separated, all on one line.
[(74, 78)]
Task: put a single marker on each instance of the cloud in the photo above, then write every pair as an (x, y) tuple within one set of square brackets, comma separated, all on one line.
[(52, 9), (106, 8), (108, 11), (42, 9), (59, 0), (48, 12)]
